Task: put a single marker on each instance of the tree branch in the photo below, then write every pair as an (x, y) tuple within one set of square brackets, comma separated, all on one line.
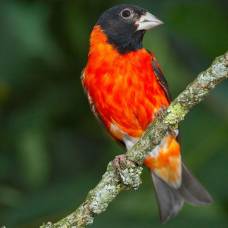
[(113, 181)]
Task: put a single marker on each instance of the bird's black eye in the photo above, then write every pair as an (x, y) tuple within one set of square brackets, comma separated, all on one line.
[(126, 13)]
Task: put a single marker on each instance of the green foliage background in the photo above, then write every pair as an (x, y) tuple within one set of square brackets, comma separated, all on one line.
[(52, 150)]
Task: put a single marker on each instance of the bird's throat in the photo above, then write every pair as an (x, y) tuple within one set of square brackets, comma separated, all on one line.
[(121, 44)]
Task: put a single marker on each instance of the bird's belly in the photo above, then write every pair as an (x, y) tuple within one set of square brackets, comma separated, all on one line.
[(130, 110)]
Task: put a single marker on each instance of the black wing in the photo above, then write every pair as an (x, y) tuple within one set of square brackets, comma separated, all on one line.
[(160, 77)]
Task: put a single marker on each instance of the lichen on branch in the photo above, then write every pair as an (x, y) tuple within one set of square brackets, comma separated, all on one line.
[(114, 181)]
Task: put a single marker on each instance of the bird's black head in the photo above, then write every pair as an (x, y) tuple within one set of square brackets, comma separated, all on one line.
[(125, 26)]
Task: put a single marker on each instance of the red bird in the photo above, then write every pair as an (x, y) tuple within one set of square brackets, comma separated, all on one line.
[(125, 88)]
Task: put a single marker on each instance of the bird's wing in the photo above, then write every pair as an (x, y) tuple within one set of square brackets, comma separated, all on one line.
[(160, 77)]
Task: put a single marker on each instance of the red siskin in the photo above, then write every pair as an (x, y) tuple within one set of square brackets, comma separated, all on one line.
[(125, 88)]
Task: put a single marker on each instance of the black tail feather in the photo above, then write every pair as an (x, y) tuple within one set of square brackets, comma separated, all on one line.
[(171, 200), (192, 191)]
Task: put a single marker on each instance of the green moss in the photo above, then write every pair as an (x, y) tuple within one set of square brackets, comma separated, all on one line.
[(176, 113)]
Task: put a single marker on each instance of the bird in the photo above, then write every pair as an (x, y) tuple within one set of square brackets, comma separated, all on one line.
[(126, 88)]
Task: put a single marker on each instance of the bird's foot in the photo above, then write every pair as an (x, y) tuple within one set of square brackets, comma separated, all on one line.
[(160, 112), (128, 171), (121, 162)]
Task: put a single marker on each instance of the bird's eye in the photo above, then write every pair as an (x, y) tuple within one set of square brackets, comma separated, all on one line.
[(126, 13)]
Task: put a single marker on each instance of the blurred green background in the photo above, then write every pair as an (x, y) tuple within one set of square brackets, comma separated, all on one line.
[(52, 149)]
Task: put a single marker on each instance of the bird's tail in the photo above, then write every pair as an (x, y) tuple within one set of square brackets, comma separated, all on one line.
[(171, 200)]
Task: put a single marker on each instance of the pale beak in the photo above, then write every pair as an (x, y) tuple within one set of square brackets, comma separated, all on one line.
[(147, 21)]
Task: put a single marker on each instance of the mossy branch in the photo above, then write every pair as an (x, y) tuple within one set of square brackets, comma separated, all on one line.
[(113, 182)]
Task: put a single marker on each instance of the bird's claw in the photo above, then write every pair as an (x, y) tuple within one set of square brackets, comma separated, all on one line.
[(160, 112), (128, 171), (120, 162)]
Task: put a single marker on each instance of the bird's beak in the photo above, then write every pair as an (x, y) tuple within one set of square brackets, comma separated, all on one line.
[(147, 21)]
